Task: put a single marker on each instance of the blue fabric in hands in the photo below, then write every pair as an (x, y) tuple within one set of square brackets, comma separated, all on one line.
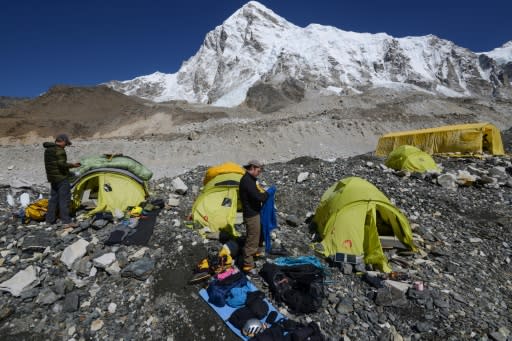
[(268, 217)]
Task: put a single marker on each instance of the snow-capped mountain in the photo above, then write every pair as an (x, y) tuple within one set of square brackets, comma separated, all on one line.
[(255, 46), (502, 55)]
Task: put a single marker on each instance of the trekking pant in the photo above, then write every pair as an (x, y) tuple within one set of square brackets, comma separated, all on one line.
[(252, 241), (60, 197)]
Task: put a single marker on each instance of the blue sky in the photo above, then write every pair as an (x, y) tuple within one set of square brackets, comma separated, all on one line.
[(43, 43)]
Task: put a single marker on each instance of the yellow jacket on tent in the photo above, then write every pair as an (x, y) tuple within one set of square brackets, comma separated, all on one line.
[(462, 138)]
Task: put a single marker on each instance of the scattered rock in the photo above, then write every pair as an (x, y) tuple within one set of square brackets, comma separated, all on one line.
[(293, 220), (302, 177), (179, 186), (96, 325), (112, 308), (73, 252), (139, 269), (104, 261), (23, 280), (6, 311), (447, 181), (46, 296), (71, 302)]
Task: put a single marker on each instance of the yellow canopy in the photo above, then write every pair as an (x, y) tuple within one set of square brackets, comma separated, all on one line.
[(463, 138)]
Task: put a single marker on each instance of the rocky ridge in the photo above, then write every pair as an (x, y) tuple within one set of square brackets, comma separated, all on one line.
[(78, 288)]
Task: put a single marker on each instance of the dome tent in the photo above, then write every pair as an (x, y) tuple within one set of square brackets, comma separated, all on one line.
[(217, 204), (107, 189), (351, 216), (411, 159)]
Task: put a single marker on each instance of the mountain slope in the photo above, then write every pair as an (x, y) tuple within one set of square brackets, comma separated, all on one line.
[(256, 46)]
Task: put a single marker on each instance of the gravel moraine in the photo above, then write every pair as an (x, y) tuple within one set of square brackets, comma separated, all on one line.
[(463, 228)]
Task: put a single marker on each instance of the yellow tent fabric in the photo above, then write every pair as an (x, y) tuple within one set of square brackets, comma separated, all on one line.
[(351, 216), (109, 190), (224, 168), (411, 159), (218, 203), (462, 138)]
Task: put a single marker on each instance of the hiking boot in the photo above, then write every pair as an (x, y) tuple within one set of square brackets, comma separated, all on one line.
[(247, 268), (250, 271), (260, 253)]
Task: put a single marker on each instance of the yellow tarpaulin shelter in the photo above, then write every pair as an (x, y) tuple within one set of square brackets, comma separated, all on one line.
[(470, 138), (411, 159), (351, 216)]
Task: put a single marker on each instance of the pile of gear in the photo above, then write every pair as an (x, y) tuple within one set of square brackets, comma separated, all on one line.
[(297, 282)]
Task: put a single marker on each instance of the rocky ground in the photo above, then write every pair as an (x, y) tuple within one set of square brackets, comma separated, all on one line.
[(461, 222)]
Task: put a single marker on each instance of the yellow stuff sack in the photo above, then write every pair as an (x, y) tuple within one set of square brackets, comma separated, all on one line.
[(36, 210)]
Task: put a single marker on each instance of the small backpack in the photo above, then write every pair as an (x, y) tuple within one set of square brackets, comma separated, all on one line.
[(36, 211)]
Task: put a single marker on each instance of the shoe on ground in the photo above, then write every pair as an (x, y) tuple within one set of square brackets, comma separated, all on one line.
[(247, 267), (259, 254), (253, 273), (250, 271), (70, 225)]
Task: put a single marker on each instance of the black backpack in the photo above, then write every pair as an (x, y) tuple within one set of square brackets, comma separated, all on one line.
[(300, 287)]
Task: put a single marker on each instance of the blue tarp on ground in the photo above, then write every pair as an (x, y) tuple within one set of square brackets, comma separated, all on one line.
[(226, 311)]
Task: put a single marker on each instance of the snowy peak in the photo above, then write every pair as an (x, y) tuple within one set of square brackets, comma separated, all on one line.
[(256, 49), (503, 54)]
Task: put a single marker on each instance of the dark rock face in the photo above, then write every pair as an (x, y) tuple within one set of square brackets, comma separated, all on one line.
[(268, 98), (456, 288)]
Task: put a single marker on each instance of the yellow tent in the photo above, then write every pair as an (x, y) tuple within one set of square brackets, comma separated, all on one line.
[(411, 159), (464, 138), (108, 189), (351, 216), (217, 204)]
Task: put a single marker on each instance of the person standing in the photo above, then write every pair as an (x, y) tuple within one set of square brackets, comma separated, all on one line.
[(252, 199), (57, 173)]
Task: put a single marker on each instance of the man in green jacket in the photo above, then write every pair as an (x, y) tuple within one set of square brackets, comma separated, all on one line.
[(57, 173)]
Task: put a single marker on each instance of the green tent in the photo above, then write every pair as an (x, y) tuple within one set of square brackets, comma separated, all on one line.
[(218, 203), (351, 216), (411, 159), (107, 189)]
